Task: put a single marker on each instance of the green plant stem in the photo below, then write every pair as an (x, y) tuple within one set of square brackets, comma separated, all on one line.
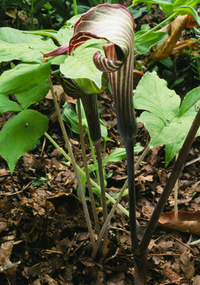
[(85, 209), (158, 26), (104, 148), (91, 194), (75, 7), (97, 187), (105, 224), (32, 6), (94, 157), (97, 145)]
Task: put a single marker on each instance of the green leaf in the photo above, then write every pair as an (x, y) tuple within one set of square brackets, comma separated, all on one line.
[(33, 95), (178, 3), (23, 77), (185, 10), (81, 66), (17, 45), (166, 122), (19, 134), (166, 5), (116, 155), (190, 101), (65, 34), (71, 118), (8, 105), (171, 6), (48, 33), (149, 40), (153, 95)]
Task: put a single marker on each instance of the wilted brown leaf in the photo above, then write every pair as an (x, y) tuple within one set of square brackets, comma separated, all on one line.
[(174, 29), (170, 274), (187, 221), (181, 46)]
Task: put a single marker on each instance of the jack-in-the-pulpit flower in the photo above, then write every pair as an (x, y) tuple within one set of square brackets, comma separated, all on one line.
[(114, 23)]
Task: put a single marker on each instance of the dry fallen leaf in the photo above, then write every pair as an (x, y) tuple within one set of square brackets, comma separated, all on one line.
[(174, 29), (170, 274), (187, 221), (181, 46)]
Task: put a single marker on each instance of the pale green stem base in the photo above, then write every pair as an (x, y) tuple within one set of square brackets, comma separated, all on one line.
[(91, 194), (85, 209), (103, 192)]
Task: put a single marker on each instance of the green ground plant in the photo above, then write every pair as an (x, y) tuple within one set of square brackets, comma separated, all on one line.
[(105, 53)]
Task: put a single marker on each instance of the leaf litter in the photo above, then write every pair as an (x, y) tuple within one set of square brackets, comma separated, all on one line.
[(43, 234)]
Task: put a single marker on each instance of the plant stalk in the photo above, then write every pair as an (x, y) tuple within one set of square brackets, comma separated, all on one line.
[(129, 145), (91, 194), (176, 198), (97, 145), (140, 255), (85, 209), (156, 27), (97, 187), (32, 19), (75, 7)]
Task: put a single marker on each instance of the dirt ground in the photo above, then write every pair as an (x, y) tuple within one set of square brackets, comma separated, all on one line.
[(42, 225), (43, 233)]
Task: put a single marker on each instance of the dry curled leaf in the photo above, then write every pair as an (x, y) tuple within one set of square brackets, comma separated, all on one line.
[(174, 29), (186, 222)]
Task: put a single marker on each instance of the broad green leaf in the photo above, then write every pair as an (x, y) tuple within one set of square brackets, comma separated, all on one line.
[(153, 95), (65, 34), (8, 105), (81, 66), (33, 95), (166, 122), (154, 125), (17, 45), (145, 42), (58, 60), (23, 77), (19, 134), (14, 36), (181, 128)]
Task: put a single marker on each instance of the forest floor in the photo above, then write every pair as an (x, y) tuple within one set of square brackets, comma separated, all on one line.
[(42, 226)]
